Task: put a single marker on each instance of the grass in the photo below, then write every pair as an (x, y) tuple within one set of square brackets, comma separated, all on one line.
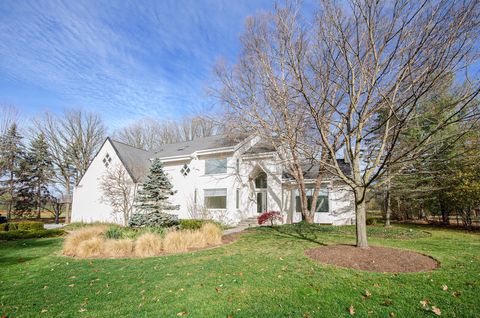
[(263, 274)]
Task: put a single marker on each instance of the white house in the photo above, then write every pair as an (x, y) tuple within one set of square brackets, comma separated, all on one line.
[(215, 177)]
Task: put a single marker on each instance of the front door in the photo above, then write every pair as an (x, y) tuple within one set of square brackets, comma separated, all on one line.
[(261, 201)]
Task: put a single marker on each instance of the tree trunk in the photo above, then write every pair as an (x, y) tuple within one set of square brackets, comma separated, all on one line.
[(309, 217), (67, 204), (10, 201), (361, 222), (38, 203), (388, 206)]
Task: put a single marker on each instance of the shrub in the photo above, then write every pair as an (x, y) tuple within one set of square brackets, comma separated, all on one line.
[(22, 234), (30, 226), (212, 233), (113, 232), (371, 221), (270, 216), (73, 240), (153, 219), (148, 244), (13, 226), (191, 224), (117, 248), (92, 247), (3, 227)]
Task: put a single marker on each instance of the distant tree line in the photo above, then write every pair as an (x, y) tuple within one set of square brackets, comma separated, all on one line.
[(41, 161)]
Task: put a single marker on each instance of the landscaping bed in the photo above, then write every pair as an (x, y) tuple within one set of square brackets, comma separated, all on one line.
[(373, 259), (102, 241)]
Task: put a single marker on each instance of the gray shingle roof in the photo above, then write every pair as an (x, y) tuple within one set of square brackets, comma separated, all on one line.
[(137, 161), (198, 144)]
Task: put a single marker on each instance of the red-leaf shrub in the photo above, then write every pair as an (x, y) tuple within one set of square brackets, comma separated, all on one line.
[(270, 216)]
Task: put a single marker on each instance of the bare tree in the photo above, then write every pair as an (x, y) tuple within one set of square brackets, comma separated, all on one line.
[(371, 66), (261, 95), (73, 140), (8, 115), (118, 190), (350, 83), (151, 134)]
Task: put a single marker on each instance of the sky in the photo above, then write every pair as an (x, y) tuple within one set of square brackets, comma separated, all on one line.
[(123, 59)]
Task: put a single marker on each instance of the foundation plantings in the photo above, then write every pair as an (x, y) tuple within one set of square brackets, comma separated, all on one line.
[(103, 241)]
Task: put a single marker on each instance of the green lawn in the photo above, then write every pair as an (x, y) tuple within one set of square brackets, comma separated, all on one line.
[(264, 274)]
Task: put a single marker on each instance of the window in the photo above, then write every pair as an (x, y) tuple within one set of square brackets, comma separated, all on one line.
[(185, 170), (215, 198), (215, 166), (261, 181), (237, 202), (106, 160), (322, 200)]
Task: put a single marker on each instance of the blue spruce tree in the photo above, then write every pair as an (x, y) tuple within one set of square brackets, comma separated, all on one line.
[(152, 200)]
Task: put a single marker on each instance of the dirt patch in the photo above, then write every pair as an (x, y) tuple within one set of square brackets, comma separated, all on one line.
[(373, 259)]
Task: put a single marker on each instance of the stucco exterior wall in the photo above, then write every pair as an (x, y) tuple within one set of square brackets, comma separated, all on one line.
[(90, 206), (88, 203)]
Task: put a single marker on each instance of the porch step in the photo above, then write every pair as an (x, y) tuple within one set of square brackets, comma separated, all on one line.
[(248, 222)]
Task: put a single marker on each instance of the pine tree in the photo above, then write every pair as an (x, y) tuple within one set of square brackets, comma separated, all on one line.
[(35, 176), (11, 155), (156, 189)]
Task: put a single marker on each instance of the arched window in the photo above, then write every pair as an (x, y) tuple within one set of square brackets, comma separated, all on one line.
[(261, 181)]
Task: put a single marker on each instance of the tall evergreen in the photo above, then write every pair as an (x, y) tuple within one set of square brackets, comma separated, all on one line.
[(11, 154), (35, 177), (156, 190)]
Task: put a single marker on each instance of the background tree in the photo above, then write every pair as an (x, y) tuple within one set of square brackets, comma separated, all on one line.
[(73, 140), (151, 134), (36, 175), (118, 190), (11, 154), (155, 191)]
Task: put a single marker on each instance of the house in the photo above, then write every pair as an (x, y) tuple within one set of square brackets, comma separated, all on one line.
[(215, 177)]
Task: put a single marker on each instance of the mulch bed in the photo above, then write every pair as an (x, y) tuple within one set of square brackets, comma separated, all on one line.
[(373, 259)]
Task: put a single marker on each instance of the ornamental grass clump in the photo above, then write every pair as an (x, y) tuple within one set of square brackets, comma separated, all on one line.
[(148, 244), (212, 233), (73, 240), (117, 248), (176, 242), (93, 247)]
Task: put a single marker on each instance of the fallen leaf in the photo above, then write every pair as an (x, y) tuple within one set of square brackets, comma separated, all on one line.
[(436, 311), (71, 285), (367, 294), (44, 311), (444, 287), (456, 294), (424, 303), (392, 314), (82, 310), (182, 313), (45, 287), (351, 310), (218, 290)]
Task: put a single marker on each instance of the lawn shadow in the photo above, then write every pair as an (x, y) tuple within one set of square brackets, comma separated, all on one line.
[(9, 250), (298, 231)]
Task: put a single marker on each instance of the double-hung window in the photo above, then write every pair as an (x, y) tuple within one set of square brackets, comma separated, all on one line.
[(322, 199), (215, 198), (216, 166)]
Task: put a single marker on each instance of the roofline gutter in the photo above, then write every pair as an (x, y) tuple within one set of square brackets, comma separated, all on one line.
[(196, 153)]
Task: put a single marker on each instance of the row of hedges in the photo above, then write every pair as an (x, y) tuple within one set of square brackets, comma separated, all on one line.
[(21, 226), (23, 234)]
